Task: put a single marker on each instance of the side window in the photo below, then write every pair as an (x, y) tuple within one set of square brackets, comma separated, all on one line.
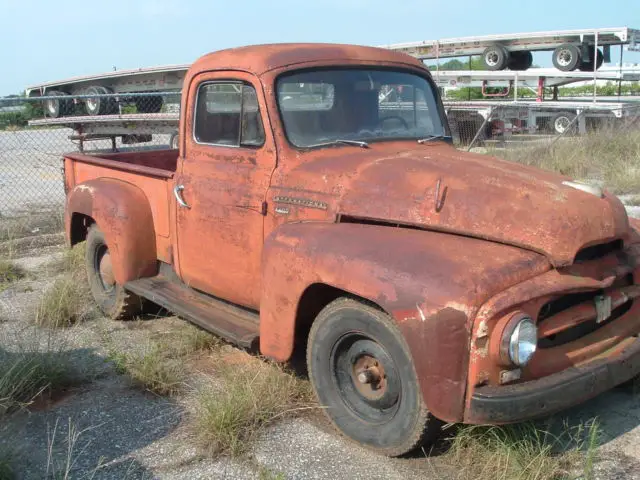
[(227, 113)]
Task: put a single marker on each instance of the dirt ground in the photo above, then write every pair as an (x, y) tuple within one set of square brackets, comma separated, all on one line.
[(118, 430)]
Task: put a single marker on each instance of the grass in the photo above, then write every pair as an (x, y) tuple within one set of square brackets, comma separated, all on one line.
[(67, 301), (250, 396), (10, 272), (28, 373), (161, 366), (611, 158), (524, 452)]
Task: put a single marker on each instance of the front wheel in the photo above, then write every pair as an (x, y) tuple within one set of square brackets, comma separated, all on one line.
[(362, 372), (112, 299)]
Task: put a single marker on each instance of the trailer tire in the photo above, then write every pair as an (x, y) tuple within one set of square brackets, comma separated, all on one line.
[(560, 123), (520, 60), (99, 105), (149, 104), (55, 108), (361, 369), (495, 57), (588, 66), (174, 140), (566, 57)]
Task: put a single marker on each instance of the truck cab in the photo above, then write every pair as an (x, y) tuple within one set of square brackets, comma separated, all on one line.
[(316, 206)]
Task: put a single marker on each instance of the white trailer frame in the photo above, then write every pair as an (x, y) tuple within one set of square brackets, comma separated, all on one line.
[(532, 41)]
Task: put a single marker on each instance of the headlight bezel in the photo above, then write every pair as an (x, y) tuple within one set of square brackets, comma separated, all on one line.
[(512, 334)]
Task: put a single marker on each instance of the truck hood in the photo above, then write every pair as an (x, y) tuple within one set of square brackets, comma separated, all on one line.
[(437, 187)]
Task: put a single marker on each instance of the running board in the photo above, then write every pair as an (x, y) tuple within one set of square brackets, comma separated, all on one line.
[(232, 323)]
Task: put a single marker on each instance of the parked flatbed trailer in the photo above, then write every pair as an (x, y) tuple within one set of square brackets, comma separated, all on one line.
[(572, 49)]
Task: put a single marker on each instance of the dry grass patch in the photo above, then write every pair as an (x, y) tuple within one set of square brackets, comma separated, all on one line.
[(161, 367), (27, 374), (524, 452), (609, 157), (229, 414), (10, 272), (67, 301)]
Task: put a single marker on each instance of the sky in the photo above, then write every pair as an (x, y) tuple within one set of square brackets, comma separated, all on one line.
[(42, 40)]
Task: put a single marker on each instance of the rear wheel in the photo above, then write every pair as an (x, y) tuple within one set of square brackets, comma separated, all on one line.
[(562, 123), (596, 55), (521, 60), (495, 57), (112, 299), (57, 107), (566, 57), (361, 370), (99, 105)]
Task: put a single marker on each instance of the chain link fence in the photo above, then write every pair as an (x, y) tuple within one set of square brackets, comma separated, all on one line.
[(36, 132)]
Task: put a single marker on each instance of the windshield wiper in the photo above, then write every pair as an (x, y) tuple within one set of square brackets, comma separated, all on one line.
[(432, 138), (339, 141)]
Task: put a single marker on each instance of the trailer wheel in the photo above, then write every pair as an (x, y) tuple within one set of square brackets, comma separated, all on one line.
[(593, 53), (361, 370), (521, 60), (561, 123), (495, 57), (566, 57), (174, 141), (99, 105), (55, 107), (149, 104), (112, 299)]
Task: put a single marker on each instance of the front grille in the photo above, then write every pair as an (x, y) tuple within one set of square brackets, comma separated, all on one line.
[(573, 316)]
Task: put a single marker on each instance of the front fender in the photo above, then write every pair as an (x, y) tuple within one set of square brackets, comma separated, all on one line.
[(431, 283), (123, 213)]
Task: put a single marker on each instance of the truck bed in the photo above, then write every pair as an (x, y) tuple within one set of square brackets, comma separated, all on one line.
[(151, 171)]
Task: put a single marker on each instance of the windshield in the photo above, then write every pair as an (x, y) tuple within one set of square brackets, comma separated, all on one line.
[(321, 107)]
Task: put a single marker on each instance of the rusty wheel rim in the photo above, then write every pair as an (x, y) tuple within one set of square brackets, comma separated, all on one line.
[(366, 377)]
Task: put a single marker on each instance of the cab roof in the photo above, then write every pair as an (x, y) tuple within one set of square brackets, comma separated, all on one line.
[(258, 59)]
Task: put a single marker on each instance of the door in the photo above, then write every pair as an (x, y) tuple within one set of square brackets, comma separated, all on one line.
[(221, 187)]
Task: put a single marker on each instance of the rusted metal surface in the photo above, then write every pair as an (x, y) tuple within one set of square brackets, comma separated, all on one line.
[(432, 294), (450, 244), (123, 213)]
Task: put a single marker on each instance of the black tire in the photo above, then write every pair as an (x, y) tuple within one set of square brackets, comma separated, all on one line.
[(521, 60), (383, 410), (587, 66), (112, 299), (495, 57), (99, 105), (566, 57), (55, 108), (561, 123), (149, 104)]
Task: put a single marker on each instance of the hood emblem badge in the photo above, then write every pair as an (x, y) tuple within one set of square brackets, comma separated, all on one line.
[(603, 307), (593, 190)]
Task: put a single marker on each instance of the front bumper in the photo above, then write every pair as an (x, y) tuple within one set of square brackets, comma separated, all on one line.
[(536, 398)]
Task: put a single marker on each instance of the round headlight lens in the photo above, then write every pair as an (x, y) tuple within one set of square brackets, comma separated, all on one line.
[(523, 342)]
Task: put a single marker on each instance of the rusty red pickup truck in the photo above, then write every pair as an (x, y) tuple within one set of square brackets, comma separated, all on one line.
[(317, 207)]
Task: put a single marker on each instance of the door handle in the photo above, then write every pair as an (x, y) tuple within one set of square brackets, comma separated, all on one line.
[(176, 191)]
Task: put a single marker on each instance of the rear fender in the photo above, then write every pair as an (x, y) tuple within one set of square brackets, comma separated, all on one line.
[(123, 213)]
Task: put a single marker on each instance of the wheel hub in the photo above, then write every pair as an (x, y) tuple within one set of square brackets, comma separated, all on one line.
[(491, 58), (564, 57), (369, 377)]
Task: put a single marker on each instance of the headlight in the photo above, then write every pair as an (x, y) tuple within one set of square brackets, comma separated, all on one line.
[(520, 340)]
